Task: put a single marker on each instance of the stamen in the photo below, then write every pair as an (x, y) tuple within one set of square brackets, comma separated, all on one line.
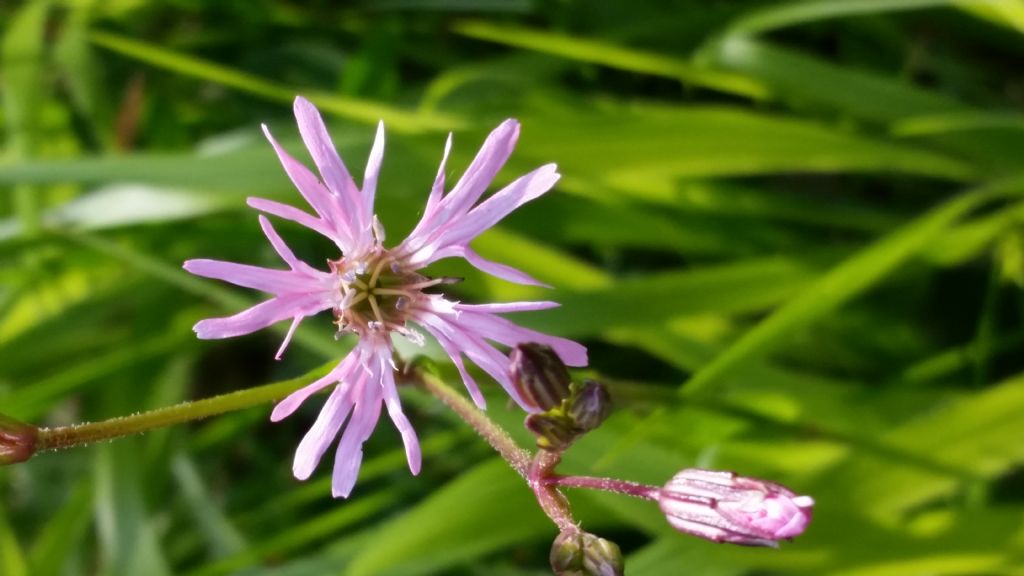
[(359, 297), (376, 310), (401, 303), (391, 292), (432, 282), (376, 272)]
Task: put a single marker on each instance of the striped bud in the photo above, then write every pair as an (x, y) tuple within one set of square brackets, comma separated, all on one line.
[(539, 375), (725, 507), (589, 406)]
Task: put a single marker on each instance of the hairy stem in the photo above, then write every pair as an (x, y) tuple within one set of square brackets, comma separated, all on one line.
[(626, 487), (493, 434), (63, 437)]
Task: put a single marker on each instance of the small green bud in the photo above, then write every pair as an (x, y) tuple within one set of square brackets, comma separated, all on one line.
[(589, 406), (17, 440), (539, 375), (554, 431), (583, 554)]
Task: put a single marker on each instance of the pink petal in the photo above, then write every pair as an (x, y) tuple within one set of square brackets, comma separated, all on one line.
[(473, 346), (255, 277), (350, 450), (501, 330), (394, 405), (372, 172), (503, 271), (284, 251), (488, 161), (321, 199), (501, 204), (288, 337), (437, 190), (456, 356), (295, 215), (328, 162), (337, 374), (261, 316), (474, 182), (505, 307), (427, 224), (322, 433)]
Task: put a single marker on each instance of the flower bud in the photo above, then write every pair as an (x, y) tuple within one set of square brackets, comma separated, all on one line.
[(724, 507), (590, 405), (17, 440), (583, 554), (553, 430), (539, 375)]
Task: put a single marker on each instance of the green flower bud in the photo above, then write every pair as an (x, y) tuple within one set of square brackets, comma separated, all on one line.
[(589, 406), (17, 440), (539, 375), (583, 554), (554, 431)]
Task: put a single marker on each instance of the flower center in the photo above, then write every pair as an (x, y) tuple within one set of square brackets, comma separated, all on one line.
[(377, 293)]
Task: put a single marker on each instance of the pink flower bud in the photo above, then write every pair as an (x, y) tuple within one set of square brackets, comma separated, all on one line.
[(724, 507), (17, 440)]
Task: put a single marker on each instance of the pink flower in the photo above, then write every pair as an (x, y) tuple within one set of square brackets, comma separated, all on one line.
[(375, 292), (724, 507)]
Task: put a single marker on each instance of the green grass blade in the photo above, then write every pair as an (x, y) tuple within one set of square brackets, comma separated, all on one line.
[(844, 282), (607, 54), (347, 107), (788, 14)]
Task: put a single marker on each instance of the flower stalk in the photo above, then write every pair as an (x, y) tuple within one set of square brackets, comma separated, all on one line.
[(63, 437), (493, 434)]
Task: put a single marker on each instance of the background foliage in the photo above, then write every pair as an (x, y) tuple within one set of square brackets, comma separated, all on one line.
[(791, 235)]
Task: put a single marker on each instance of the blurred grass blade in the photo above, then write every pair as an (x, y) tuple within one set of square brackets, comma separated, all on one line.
[(734, 288), (846, 281), (22, 63), (174, 275), (347, 107), (64, 533), (931, 124), (1005, 12), (316, 528), (12, 558), (607, 54), (859, 93), (647, 148), (222, 539), (22, 56), (128, 541), (485, 509), (782, 15), (980, 433)]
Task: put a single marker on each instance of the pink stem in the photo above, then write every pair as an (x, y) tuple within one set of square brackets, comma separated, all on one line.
[(626, 487)]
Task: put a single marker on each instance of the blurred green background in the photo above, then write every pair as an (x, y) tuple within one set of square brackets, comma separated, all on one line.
[(792, 235)]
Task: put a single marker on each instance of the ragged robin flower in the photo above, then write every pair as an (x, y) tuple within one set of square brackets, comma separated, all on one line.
[(376, 292), (726, 507)]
